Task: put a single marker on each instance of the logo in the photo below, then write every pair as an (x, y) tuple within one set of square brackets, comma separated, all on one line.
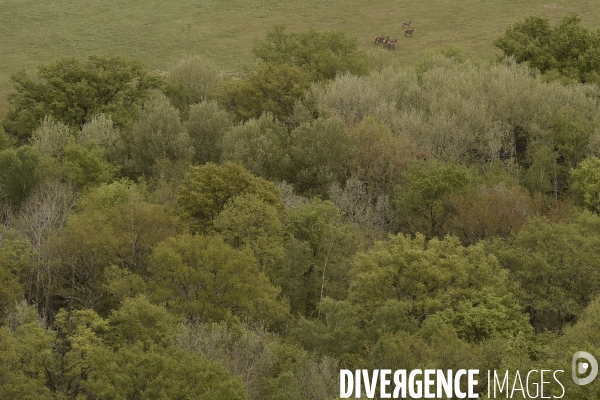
[(580, 368)]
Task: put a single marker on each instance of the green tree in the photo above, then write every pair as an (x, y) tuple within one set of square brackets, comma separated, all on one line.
[(85, 166), (192, 80), (204, 279), (131, 354), (76, 335), (159, 134), (487, 315), (556, 265), (11, 290), (78, 256), (582, 336), (586, 184), (261, 145), (424, 276), (17, 263), (318, 253), (72, 91), (322, 54), (51, 137), (67, 159), (136, 224), (380, 156), (19, 173), (206, 189), (22, 355), (113, 228), (101, 130), (560, 146), (248, 221), (336, 334), (319, 153), (130, 372), (5, 141), (527, 40), (568, 50), (269, 88), (424, 200), (206, 125)]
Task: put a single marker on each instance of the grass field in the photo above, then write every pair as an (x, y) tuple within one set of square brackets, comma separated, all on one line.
[(160, 32)]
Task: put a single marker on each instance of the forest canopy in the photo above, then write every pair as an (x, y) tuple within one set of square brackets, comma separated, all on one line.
[(568, 50), (203, 236)]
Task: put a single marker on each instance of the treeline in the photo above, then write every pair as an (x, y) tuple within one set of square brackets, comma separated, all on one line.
[(193, 235)]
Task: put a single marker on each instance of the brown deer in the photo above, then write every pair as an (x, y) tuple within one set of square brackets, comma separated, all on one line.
[(405, 23), (391, 44), (381, 39), (409, 32)]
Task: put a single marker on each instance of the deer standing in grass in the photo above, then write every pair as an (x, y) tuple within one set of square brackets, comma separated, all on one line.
[(382, 39)]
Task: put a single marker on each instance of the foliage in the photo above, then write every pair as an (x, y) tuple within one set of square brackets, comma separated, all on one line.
[(336, 334), (561, 146), (5, 141), (470, 114), (317, 257), (569, 49), (131, 354), (205, 191), (249, 221), (556, 265), (11, 290), (19, 173), (84, 166), (424, 276), (487, 315), (158, 135), (226, 282), (322, 54), (586, 185), (583, 335), (108, 137), (491, 209), (424, 200), (80, 163), (17, 254), (269, 88), (319, 153), (262, 146), (380, 157), (114, 226), (206, 125), (78, 257), (204, 279), (192, 80), (73, 90), (269, 367), (22, 355), (51, 137)]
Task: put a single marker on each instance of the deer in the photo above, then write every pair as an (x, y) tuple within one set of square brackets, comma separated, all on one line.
[(406, 23), (409, 32), (382, 39), (392, 44)]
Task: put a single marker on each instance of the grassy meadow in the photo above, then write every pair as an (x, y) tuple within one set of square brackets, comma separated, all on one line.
[(160, 32)]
